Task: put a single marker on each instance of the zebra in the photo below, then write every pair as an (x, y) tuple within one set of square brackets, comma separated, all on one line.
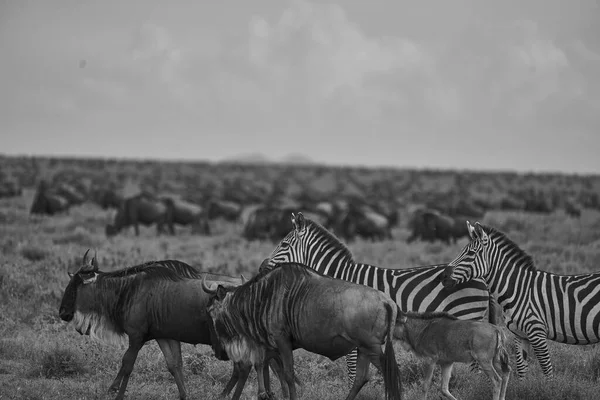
[(537, 305), (413, 289)]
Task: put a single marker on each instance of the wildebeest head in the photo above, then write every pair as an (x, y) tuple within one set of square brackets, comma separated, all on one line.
[(119, 222), (76, 293), (471, 262)]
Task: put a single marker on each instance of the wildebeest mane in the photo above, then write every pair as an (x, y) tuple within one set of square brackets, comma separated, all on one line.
[(502, 240), (249, 301), (167, 269), (331, 239), (429, 315)]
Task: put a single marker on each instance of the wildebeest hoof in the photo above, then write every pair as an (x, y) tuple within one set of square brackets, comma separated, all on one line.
[(266, 396)]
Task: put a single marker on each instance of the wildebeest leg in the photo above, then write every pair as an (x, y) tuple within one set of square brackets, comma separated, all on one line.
[(488, 368), (244, 371), (427, 378), (172, 351), (235, 376), (263, 394), (284, 347), (446, 374), (136, 226), (126, 367), (362, 370)]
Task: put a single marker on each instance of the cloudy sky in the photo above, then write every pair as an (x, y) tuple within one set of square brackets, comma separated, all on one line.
[(512, 84)]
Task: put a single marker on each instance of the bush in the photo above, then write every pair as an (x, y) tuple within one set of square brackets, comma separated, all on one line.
[(59, 363), (33, 252)]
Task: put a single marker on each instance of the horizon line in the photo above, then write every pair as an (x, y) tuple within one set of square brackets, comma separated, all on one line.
[(311, 163)]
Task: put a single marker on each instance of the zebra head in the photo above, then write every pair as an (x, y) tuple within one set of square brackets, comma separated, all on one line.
[(292, 247), (471, 262)]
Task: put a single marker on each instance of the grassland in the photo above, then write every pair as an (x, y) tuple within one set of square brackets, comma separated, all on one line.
[(41, 357)]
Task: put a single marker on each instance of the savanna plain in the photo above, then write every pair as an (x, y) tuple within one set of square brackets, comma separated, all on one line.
[(42, 357)]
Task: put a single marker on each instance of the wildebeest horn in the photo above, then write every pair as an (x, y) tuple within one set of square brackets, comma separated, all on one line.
[(244, 280), (206, 288), (85, 257)]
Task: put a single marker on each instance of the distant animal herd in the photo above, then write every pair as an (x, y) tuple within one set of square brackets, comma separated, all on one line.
[(311, 294)]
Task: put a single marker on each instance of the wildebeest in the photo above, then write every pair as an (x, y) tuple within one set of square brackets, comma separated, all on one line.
[(108, 198), (444, 339), (364, 222), (431, 225), (142, 208), (292, 306), (183, 212), (73, 195), (46, 201), (10, 188), (228, 210), (268, 223), (157, 300)]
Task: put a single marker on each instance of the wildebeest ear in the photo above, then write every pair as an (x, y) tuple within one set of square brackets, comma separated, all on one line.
[(71, 275), (91, 279), (471, 230), (221, 292)]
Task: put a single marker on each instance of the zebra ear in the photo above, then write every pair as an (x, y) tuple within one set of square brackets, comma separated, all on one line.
[(471, 230), (294, 220), (483, 236), (300, 222)]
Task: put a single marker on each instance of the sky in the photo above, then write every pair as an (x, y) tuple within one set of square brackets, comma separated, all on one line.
[(476, 84)]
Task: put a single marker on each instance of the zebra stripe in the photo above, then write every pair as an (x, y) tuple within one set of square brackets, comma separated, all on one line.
[(537, 305), (414, 289)]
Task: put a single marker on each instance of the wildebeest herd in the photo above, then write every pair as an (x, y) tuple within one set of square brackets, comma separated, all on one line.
[(310, 294), (349, 217)]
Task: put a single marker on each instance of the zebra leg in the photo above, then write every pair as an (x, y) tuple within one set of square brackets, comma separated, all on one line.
[(351, 366), (539, 344), (522, 365)]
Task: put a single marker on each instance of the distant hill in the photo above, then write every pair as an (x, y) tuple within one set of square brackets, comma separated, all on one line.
[(297, 159), (259, 158), (248, 158)]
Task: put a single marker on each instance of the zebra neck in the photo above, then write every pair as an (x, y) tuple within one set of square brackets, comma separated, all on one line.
[(336, 266), (511, 286)]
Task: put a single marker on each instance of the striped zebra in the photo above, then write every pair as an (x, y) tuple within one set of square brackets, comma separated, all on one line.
[(537, 305), (414, 289)]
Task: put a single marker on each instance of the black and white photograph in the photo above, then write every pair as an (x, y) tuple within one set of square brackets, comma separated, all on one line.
[(299, 199)]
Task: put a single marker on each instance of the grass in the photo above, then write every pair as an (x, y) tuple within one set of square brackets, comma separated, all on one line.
[(43, 358)]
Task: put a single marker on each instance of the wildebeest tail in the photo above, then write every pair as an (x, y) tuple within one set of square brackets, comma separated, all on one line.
[(501, 352), (389, 366)]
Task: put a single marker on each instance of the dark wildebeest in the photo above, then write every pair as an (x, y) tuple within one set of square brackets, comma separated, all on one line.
[(142, 208), (10, 188), (183, 212), (444, 339), (47, 202), (267, 223), (70, 192), (108, 198), (293, 306), (431, 225), (228, 210), (157, 300), (364, 222)]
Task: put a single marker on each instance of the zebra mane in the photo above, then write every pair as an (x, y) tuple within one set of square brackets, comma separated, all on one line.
[(429, 315), (331, 239), (172, 270), (526, 261)]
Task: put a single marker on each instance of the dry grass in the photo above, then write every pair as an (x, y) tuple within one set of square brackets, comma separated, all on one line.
[(43, 358)]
